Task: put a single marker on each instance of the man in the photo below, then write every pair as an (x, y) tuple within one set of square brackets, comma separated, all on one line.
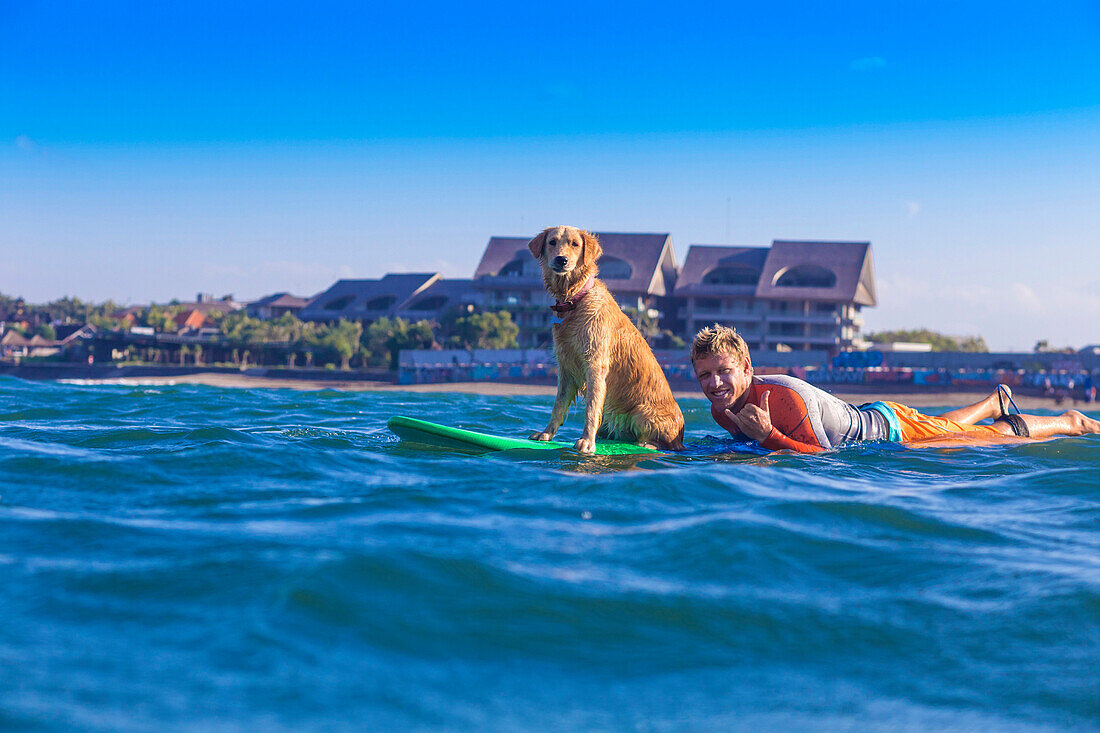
[(782, 412)]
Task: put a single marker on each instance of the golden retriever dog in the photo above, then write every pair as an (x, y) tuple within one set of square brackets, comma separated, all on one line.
[(601, 353)]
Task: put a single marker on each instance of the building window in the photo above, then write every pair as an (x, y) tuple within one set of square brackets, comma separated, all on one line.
[(612, 268), (826, 308), (380, 303), (805, 276), (738, 305), (521, 266), (732, 275), (339, 304), (429, 303), (785, 329), (708, 304)]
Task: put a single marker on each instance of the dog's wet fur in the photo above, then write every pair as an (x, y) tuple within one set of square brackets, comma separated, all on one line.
[(600, 353)]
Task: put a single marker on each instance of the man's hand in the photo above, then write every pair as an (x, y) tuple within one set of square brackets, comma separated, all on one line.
[(753, 421)]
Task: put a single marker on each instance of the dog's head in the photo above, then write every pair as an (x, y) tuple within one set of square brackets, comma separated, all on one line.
[(566, 251)]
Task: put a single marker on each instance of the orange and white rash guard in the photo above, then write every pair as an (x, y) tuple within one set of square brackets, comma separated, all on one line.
[(807, 419)]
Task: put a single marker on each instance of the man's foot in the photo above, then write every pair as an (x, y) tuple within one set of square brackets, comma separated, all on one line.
[(1085, 424), (1003, 394)]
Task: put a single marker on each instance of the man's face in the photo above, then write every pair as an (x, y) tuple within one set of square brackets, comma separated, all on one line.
[(723, 379)]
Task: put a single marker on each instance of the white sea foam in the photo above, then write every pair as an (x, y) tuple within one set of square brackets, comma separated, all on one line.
[(122, 381)]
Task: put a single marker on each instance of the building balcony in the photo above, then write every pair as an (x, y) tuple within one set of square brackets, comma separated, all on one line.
[(507, 282), (747, 332), (720, 315), (824, 319), (823, 342)]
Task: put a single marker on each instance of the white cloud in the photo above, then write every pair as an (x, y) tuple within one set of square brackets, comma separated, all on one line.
[(1026, 298), (868, 63), (24, 142), (912, 208), (1010, 315)]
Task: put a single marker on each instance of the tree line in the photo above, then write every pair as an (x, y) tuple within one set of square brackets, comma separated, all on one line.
[(343, 342), (939, 341)]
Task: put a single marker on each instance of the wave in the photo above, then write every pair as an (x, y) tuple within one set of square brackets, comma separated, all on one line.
[(193, 555)]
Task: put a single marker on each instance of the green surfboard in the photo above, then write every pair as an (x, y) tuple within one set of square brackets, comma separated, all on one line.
[(428, 433)]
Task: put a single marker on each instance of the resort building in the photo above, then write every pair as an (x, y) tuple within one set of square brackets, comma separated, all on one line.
[(275, 306), (638, 269), (413, 296), (797, 296), (14, 344), (206, 304), (190, 320)]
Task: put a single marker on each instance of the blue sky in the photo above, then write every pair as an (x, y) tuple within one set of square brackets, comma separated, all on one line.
[(152, 150)]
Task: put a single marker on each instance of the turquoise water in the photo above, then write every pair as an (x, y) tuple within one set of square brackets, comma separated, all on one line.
[(185, 557)]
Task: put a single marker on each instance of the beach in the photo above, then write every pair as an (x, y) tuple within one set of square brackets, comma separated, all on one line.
[(916, 398)]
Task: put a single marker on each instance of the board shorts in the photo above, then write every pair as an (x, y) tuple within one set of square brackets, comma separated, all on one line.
[(912, 425)]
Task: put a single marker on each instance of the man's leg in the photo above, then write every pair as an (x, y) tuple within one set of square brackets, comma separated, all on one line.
[(986, 409), (1068, 423), (1039, 426)]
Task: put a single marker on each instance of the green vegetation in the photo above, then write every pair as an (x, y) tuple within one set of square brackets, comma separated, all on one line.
[(286, 340), (385, 338), (940, 342), (1043, 346), (482, 331)]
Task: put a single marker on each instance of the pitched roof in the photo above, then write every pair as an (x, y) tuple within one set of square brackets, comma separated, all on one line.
[(207, 307), (453, 292), (67, 329), (65, 335), (351, 298), (498, 253), (280, 300), (703, 259), (650, 257), (850, 262), (192, 316)]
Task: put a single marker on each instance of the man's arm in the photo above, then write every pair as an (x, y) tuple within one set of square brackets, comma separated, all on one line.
[(778, 441), (755, 422)]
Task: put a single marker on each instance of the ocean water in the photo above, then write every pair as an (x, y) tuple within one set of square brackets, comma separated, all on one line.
[(187, 557)]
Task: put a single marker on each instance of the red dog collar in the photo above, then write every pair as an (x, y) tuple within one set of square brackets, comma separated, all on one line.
[(564, 306)]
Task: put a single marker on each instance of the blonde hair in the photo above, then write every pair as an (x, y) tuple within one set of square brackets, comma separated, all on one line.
[(717, 340)]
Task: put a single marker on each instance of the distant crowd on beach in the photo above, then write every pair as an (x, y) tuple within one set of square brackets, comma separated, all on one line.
[(436, 367), (1058, 385)]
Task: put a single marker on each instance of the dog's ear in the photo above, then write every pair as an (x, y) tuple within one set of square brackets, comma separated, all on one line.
[(592, 249), (536, 245)]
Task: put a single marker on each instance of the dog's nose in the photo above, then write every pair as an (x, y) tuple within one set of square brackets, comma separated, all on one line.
[(559, 262)]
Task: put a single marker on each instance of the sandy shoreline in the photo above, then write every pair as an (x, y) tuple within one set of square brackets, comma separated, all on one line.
[(930, 398)]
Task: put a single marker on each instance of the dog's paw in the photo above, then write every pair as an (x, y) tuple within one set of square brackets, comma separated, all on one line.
[(585, 445), (541, 436)]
